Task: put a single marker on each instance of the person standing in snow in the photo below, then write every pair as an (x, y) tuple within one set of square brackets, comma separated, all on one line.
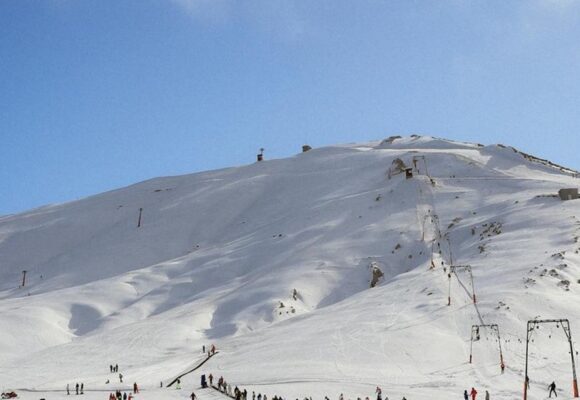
[(124, 395), (552, 388), (135, 388), (203, 349), (82, 388), (379, 393), (192, 396), (341, 397), (67, 389), (77, 388), (473, 393), (116, 367), (465, 395), (486, 395), (253, 395), (111, 367)]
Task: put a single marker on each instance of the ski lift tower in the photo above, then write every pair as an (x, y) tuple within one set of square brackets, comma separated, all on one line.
[(416, 161), (453, 270), (475, 337), (565, 324)]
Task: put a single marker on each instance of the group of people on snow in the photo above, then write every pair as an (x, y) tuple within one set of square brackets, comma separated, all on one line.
[(79, 388), (210, 350), (118, 396), (473, 392)]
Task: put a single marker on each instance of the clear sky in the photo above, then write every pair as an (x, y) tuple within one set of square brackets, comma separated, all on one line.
[(99, 94)]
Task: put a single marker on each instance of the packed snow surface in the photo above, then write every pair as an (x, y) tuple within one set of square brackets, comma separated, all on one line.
[(218, 255)]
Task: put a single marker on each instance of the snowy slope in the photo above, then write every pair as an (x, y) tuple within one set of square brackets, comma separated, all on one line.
[(218, 252)]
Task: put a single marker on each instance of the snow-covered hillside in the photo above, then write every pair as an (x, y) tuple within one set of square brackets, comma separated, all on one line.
[(219, 254)]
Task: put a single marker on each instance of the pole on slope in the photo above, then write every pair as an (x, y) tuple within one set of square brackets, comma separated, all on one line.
[(472, 287), (501, 364), (526, 380), (140, 214), (471, 345), (569, 336), (23, 278), (449, 288)]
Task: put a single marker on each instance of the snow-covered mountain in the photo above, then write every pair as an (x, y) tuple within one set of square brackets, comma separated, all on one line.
[(273, 262)]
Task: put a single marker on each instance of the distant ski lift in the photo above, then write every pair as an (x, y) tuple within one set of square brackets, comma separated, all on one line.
[(261, 154)]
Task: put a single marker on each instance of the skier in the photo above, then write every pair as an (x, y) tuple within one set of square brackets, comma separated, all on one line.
[(379, 392), (253, 395), (178, 386), (121, 378), (465, 395), (259, 396), (82, 388), (67, 389), (192, 396), (486, 395), (135, 388), (473, 393), (203, 349), (341, 397), (111, 367), (552, 388), (124, 395), (77, 388), (210, 379), (116, 367)]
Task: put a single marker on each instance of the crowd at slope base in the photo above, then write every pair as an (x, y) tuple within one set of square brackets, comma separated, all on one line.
[(237, 394)]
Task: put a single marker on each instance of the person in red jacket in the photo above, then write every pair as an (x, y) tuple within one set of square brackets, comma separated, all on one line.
[(473, 393)]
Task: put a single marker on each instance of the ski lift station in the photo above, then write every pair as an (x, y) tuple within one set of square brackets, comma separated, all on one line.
[(568, 194)]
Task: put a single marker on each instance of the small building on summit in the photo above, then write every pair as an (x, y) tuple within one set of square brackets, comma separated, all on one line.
[(568, 194)]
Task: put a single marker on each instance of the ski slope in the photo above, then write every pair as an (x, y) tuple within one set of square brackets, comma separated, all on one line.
[(218, 253)]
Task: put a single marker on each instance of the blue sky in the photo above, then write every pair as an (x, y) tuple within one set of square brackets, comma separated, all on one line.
[(98, 94)]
